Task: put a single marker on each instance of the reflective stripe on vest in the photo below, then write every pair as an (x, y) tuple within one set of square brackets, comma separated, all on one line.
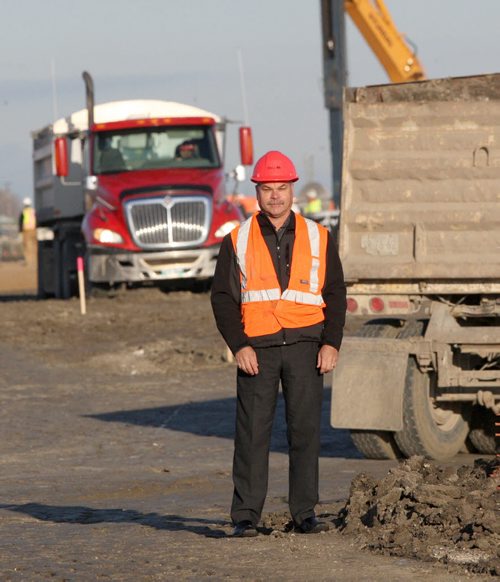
[(267, 309), (243, 233), (302, 297), (262, 295), (313, 231)]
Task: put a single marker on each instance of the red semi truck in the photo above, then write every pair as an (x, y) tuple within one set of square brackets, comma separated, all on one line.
[(138, 187)]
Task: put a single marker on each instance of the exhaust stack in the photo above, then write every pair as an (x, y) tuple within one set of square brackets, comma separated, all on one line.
[(89, 95)]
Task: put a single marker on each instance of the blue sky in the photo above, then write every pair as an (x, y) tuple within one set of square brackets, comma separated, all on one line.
[(188, 51)]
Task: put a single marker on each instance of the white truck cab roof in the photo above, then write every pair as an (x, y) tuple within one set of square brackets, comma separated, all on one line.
[(131, 109)]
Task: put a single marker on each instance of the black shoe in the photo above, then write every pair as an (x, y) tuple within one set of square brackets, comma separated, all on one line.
[(245, 529), (312, 525)]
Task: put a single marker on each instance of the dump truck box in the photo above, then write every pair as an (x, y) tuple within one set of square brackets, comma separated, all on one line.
[(421, 183), (419, 237)]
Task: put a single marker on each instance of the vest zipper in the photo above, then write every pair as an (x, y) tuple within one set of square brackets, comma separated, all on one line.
[(278, 253)]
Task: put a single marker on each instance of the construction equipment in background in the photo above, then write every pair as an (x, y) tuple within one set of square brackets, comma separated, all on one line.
[(373, 20), (138, 187), (390, 47), (418, 234)]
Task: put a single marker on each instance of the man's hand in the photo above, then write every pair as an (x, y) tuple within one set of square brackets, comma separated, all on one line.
[(327, 359), (246, 358)]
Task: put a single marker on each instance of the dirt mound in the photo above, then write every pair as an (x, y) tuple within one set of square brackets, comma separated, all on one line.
[(420, 510), (429, 512)]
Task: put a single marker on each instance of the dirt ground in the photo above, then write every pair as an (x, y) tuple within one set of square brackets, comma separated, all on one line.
[(116, 439), (17, 277)]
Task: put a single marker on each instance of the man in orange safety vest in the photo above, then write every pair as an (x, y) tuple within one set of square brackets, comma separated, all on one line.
[(279, 301)]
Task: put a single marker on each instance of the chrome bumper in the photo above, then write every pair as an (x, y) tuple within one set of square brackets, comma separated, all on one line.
[(153, 266)]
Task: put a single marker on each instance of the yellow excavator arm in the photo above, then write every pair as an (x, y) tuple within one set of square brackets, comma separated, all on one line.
[(377, 27)]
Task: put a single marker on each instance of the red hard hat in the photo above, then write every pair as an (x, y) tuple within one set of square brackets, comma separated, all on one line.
[(274, 167)]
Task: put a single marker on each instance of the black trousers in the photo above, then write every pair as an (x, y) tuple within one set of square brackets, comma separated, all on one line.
[(295, 366)]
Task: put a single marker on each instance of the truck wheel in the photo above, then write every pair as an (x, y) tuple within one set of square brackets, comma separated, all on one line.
[(379, 328), (41, 271), (66, 269), (436, 431), (106, 290), (201, 285), (376, 444), (412, 328), (482, 432)]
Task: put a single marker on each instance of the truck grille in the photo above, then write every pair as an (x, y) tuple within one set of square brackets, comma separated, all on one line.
[(168, 222)]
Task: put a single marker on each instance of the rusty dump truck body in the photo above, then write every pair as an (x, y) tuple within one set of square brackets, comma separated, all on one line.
[(420, 244)]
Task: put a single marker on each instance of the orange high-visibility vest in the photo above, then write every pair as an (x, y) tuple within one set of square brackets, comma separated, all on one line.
[(265, 308)]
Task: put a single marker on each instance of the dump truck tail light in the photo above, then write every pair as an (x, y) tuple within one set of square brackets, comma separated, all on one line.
[(377, 304)]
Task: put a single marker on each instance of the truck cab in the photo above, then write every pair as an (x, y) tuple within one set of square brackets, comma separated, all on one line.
[(141, 192)]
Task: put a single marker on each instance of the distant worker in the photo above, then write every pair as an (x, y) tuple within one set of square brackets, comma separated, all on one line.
[(314, 204), (279, 301), (27, 226)]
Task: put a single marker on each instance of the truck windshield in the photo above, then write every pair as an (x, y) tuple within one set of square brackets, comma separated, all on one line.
[(154, 148)]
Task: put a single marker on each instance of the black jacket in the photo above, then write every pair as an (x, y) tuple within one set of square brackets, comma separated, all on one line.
[(226, 292)]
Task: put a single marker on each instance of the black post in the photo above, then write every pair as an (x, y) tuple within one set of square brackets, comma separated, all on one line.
[(335, 78)]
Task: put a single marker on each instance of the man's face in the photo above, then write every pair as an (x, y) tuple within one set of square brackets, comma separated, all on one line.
[(275, 198)]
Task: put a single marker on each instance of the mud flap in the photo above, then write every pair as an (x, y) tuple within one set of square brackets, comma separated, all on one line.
[(368, 384)]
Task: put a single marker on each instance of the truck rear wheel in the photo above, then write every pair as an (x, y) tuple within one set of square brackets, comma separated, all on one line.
[(482, 432), (434, 430), (57, 274), (45, 269), (67, 275), (377, 444), (106, 290)]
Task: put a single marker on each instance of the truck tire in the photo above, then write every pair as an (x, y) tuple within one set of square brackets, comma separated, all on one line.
[(386, 328), (376, 444), (482, 432), (67, 270), (106, 290), (44, 270), (435, 432), (412, 328)]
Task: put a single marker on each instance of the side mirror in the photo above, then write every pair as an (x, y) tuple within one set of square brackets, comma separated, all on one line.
[(61, 155), (246, 146), (91, 182), (239, 173)]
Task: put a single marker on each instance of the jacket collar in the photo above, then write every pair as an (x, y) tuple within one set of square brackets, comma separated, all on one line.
[(265, 223)]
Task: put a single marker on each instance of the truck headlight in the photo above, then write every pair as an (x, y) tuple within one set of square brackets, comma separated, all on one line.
[(226, 228), (104, 235)]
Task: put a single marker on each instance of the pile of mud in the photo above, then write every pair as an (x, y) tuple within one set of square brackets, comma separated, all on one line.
[(429, 512)]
